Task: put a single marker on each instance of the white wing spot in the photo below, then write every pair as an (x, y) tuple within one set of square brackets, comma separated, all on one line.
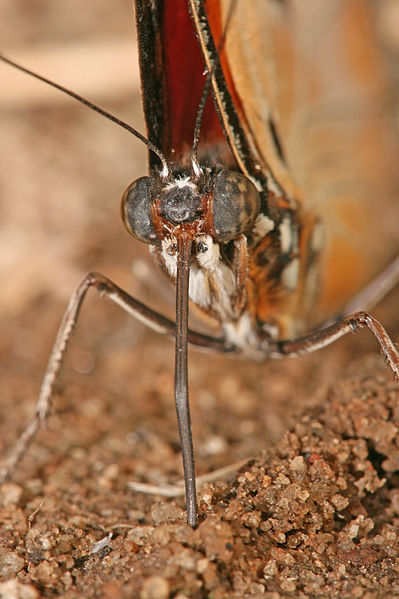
[(317, 237), (290, 275), (263, 225), (285, 235)]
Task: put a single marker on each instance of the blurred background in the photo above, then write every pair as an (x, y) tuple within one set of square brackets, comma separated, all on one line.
[(63, 171), (64, 167)]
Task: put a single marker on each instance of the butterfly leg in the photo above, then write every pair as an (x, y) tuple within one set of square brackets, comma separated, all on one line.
[(350, 324), (375, 291), (240, 274), (106, 288)]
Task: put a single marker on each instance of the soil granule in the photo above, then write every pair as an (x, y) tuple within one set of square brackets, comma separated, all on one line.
[(315, 515)]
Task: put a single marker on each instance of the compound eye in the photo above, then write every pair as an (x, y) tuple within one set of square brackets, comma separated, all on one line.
[(136, 210), (235, 205)]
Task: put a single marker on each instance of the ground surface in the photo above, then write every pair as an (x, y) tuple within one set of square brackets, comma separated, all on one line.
[(315, 515)]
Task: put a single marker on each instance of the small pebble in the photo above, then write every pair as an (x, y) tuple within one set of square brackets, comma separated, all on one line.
[(155, 587), (10, 494), (12, 589), (166, 512), (10, 563), (339, 501), (298, 465)]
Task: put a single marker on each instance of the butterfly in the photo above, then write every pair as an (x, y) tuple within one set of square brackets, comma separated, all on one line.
[(256, 205)]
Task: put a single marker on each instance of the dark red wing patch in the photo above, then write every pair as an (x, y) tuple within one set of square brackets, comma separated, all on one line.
[(185, 80)]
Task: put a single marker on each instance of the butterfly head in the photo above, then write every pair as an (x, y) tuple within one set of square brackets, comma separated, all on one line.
[(222, 204)]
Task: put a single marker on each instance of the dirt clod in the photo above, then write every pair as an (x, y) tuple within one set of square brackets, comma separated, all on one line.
[(316, 513)]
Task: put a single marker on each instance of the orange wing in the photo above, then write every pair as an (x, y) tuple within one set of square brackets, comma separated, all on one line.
[(307, 83)]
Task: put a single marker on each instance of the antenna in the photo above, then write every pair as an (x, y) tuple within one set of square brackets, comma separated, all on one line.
[(165, 172), (207, 87)]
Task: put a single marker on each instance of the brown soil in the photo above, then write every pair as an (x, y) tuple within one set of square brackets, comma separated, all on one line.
[(314, 515)]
